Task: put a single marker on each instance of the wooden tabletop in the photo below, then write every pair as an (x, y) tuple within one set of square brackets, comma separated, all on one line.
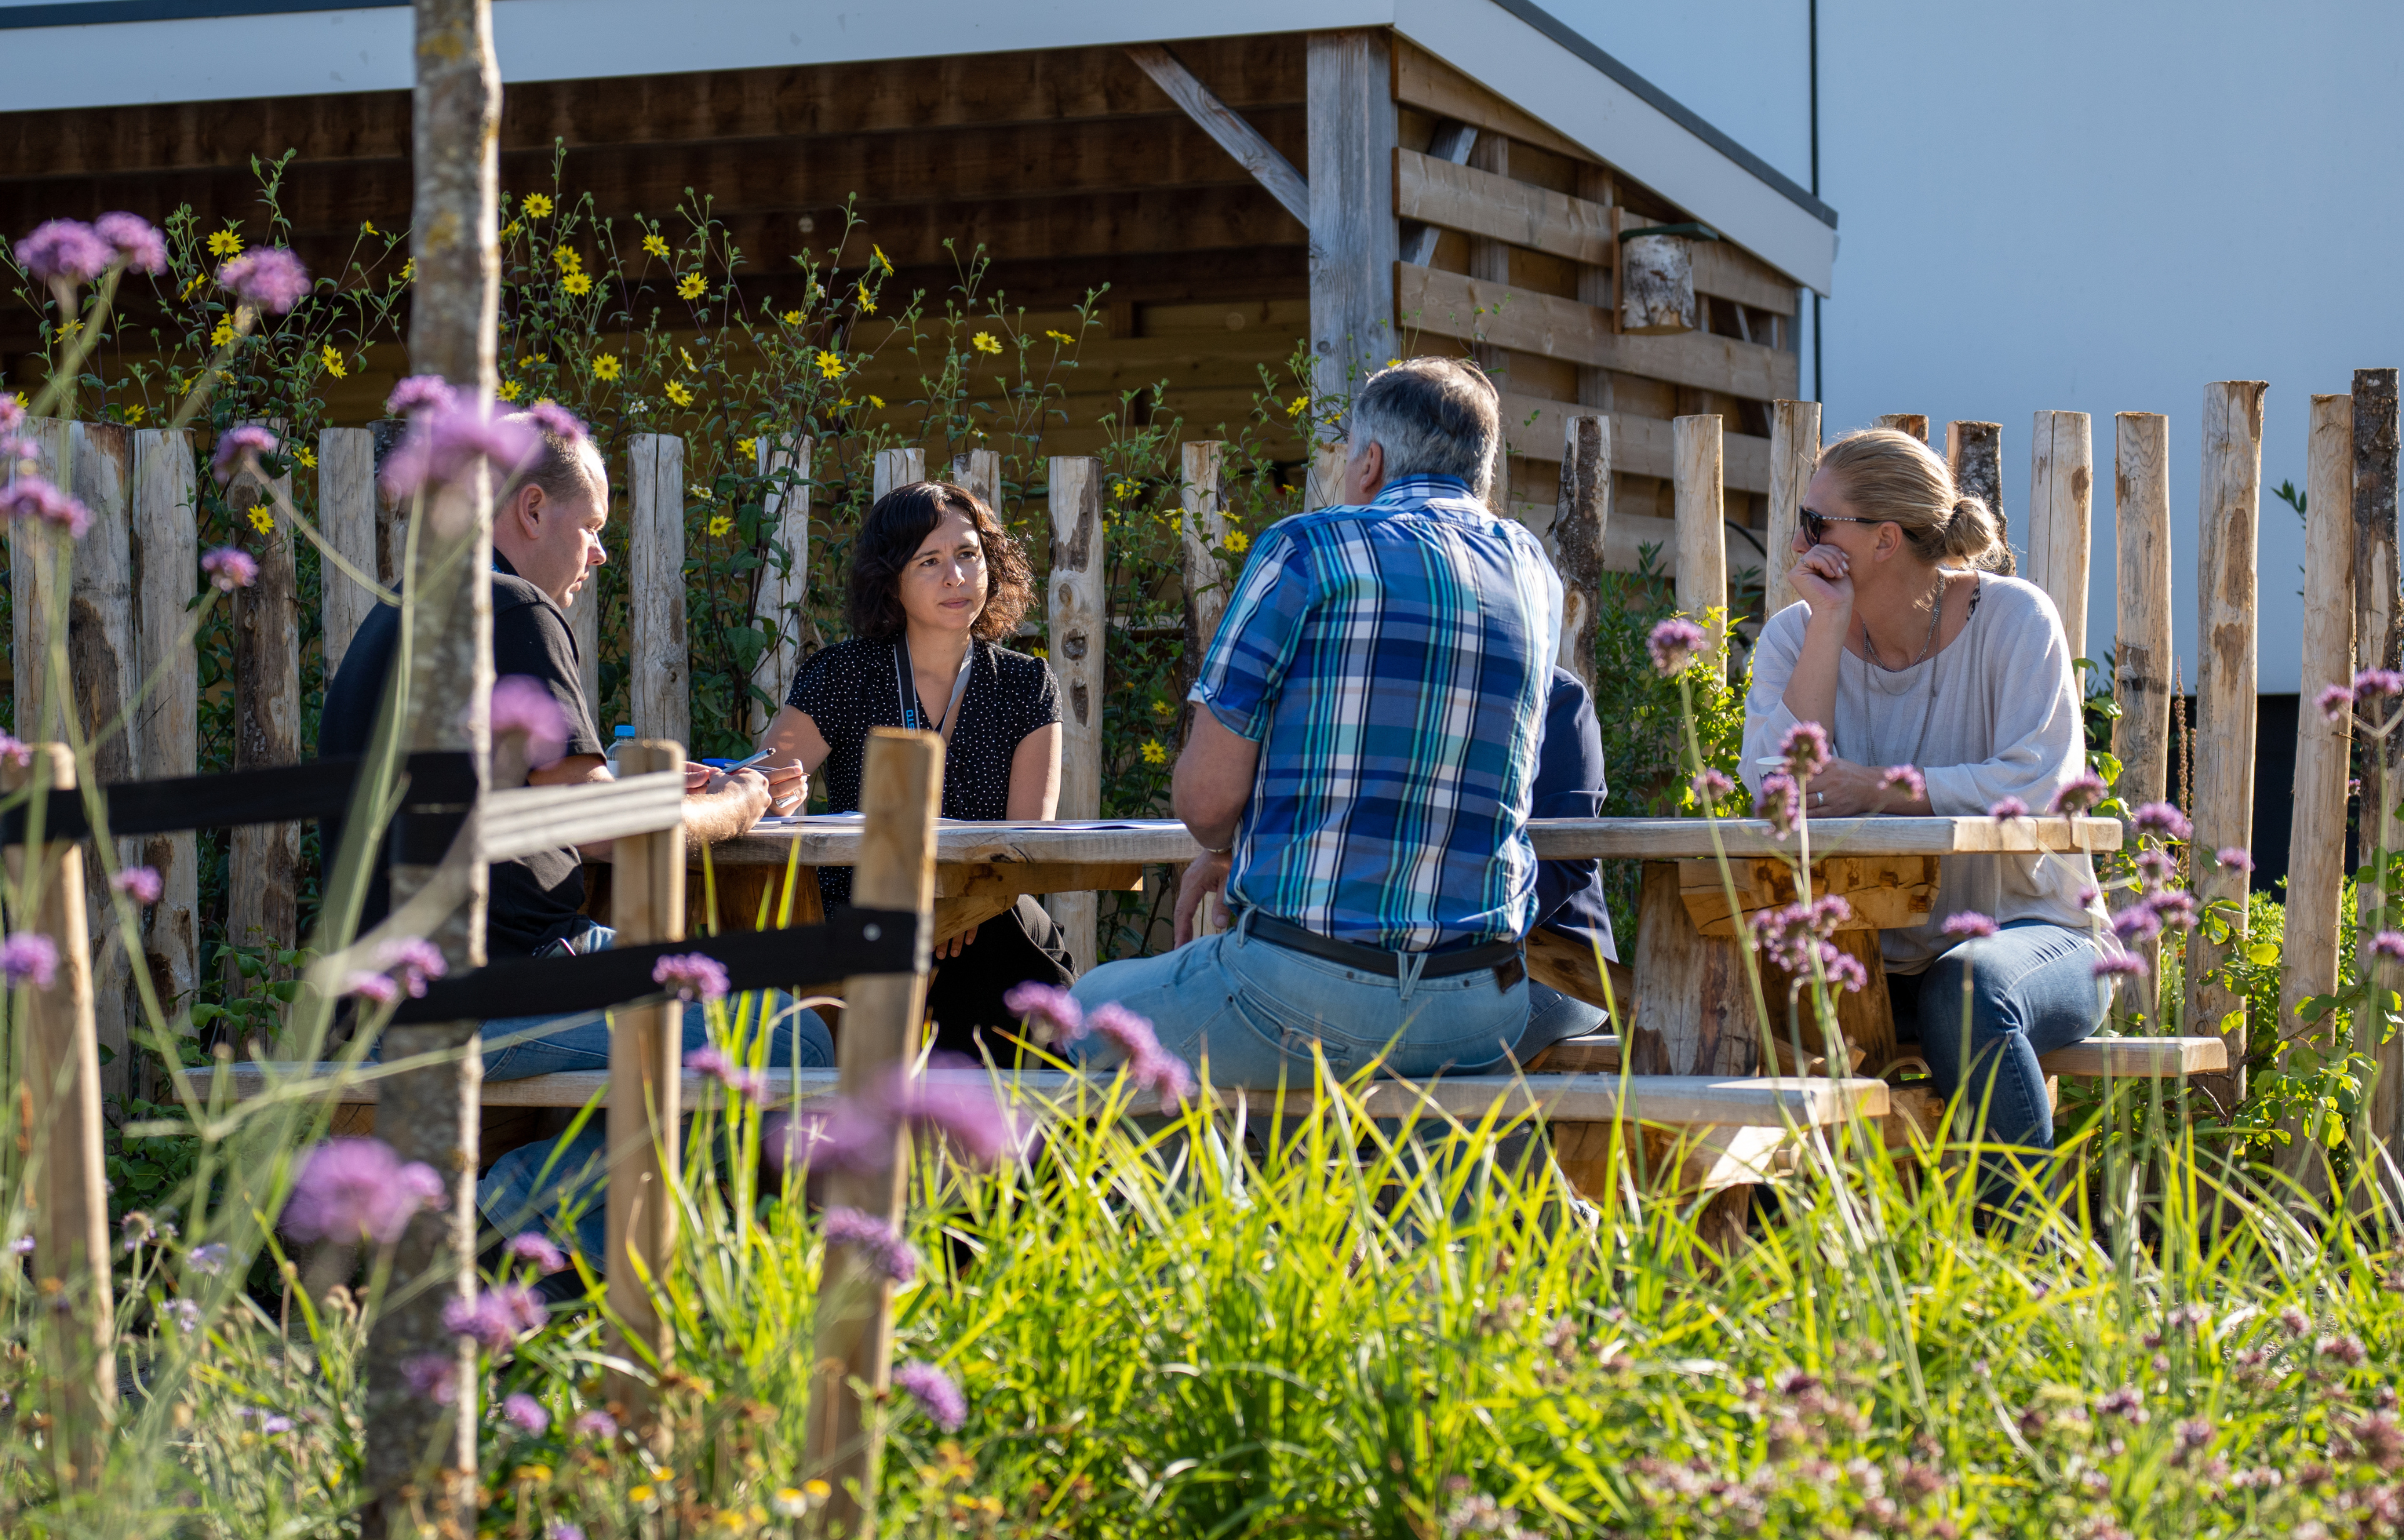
[(825, 841)]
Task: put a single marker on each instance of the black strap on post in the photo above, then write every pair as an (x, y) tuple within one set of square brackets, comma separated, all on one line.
[(851, 942), (285, 793)]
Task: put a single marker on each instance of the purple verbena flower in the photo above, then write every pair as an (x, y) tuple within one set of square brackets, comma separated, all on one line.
[(184, 1314), (2137, 922), (1780, 801), (421, 393), (1711, 787), (380, 989), (2128, 1402), (2162, 819), (1051, 1012), (415, 961), (2337, 702), (357, 1189), (495, 1318), (2119, 965), (65, 251), (2343, 1349), (933, 1390), (12, 417), (2007, 808), (2388, 944), (445, 442), (2236, 858), (708, 1060), (29, 497), (597, 1424), (526, 1413), (142, 884), (1844, 971), (137, 242), (432, 1378), (29, 956), (523, 703), (2378, 681), (561, 1529), (556, 420), (1969, 925), (231, 568), (274, 1423), (208, 1260), (2172, 907), (692, 976), (971, 1117), (529, 1246), (16, 751), (1148, 1065), (272, 279), (1674, 644), (2156, 865), (876, 1243), (2079, 793), (236, 445), (1806, 748), (1905, 779)]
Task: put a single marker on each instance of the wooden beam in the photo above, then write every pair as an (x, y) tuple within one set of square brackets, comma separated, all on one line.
[(1353, 237), (1702, 522), (1793, 458), (1447, 304), (1424, 81), (2141, 637), (2061, 478), (1076, 607), (1235, 136), (104, 659), (660, 674), (1450, 144), (520, 820), (263, 863), (1536, 428), (2226, 593)]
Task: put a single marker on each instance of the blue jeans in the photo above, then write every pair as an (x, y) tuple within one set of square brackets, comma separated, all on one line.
[(2032, 990), (1253, 1012)]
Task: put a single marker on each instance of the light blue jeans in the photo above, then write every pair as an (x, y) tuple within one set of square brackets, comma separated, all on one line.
[(1251, 1013), (2030, 989)]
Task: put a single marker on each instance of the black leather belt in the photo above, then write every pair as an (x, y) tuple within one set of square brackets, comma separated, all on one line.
[(1503, 956)]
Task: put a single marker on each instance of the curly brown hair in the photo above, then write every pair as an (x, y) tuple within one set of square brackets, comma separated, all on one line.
[(892, 533)]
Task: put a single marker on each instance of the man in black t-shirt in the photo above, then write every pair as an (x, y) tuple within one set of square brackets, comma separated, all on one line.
[(546, 542)]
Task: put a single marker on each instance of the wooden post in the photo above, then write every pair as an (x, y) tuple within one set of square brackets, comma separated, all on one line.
[(1793, 458), (347, 508), (1323, 485), (646, 1075), (900, 794), (167, 547), (263, 860), (2141, 641), (34, 566), (2316, 838), (980, 472), (2378, 643), (1913, 423), (898, 467), (2062, 475), (1077, 612), (1975, 452), (2224, 702), (1209, 578), (784, 588), (105, 667), (431, 1114), (1701, 518), (69, 1182), (1580, 520), (660, 678), (1490, 259), (1353, 236)]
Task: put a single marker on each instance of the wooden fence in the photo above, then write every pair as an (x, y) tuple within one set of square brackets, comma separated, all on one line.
[(135, 574)]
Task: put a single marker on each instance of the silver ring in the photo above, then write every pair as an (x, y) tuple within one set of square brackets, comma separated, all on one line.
[(1823, 797)]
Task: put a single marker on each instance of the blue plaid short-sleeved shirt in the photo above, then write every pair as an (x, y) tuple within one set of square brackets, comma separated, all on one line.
[(1392, 661)]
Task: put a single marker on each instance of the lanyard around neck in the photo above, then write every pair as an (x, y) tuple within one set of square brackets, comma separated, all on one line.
[(905, 687)]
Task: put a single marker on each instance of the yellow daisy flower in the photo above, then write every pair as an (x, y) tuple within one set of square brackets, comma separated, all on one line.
[(224, 334), (367, 227), (537, 206), (792, 317), (262, 520), (408, 269), (720, 525), (577, 283), (332, 357), (134, 413), (656, 245), (747, 448), (690, 287), (830, 364), (306, 456), (882, 260), (1237, 541), (983, 342), (511, 390), (867, 302), (677, 393), (225, 242), (1296, 407), (877, 402), (511, 228), (1154, 753), (567, 259), (1058, 336), (605, 366)]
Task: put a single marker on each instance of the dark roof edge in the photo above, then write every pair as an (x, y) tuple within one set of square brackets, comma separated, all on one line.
[(86, 13), (1669, 107)]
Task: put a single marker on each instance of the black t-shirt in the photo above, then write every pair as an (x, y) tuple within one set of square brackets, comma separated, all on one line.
[(537, 898), (853, 686)]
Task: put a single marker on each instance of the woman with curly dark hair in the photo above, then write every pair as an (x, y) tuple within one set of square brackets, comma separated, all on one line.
[(936, 584)]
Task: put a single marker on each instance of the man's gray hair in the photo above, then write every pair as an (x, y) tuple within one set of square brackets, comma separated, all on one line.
[(559, 466), (1433, 417)]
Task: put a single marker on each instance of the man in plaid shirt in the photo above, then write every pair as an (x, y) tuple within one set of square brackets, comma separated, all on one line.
[(1362, 767)]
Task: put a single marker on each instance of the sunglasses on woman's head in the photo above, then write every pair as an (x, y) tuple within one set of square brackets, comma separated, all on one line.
[(1816, 524)]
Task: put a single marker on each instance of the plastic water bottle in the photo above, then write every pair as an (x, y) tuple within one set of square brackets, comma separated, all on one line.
[(624, 734)]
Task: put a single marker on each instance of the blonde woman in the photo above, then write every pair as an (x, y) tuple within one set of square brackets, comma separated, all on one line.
[(1913, 648)]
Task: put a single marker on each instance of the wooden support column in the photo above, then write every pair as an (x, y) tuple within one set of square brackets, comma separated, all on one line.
[(1596, 285), (646, 1075), (104, 663), (1352, 231), (1323, 484), (1975, 453), (900, 794), (897, 467), (263, 860), (2224, 707), (2378, 643), (1490, 259), (1077, 612), (2061, 476), (1913, 423), (659, 680), (69, 1184), (348, 512), (2316, 838), (2141, 640), (1793, 458), (1581, 519), (1209, 573), (38, 604), (980, 472), (1701, 519), (166, 548), (785, 579), (1238, 138), (421, 1465)]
